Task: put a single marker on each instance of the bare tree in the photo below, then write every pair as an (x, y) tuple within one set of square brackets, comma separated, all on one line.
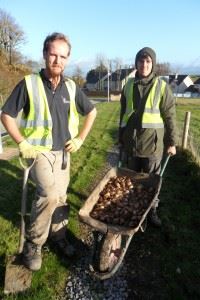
[(118, 65), (78, 76), (11, 35), (101, 67), (33, 65), (117, 62), (163, 69), (101, 62)]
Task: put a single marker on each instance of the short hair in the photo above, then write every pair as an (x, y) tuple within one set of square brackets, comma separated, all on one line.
[(53, 37)]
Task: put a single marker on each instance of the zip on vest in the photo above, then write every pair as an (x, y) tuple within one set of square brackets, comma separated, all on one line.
[(37, 126), (151, 117)]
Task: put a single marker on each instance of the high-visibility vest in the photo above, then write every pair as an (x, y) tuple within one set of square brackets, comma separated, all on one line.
[(151, 117), (37, 126)]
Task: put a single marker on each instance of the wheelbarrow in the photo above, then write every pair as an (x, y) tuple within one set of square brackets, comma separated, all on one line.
[(112, 241)]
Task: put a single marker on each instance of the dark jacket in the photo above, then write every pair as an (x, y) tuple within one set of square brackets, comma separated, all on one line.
[(148, 142)]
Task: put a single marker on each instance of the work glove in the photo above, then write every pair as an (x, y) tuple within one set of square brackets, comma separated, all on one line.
[(27, 150), (74, 144)]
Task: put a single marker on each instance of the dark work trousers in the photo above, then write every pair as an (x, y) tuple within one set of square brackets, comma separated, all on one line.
[(145, 165)]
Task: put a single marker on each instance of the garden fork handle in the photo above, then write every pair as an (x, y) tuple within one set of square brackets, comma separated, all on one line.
[(23, 203)]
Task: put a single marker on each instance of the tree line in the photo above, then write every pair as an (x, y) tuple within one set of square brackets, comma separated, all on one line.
[(12, 37)]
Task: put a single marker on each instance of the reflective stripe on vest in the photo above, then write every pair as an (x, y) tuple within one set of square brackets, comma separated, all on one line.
[(73, 122), (37, 126), (151, 117)]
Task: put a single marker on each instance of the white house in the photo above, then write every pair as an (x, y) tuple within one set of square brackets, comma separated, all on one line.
[(179, 83)]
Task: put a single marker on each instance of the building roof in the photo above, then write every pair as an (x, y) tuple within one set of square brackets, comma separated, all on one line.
[(192, 88), (177, 78), (197, 81), (96, 76), (120, 74)]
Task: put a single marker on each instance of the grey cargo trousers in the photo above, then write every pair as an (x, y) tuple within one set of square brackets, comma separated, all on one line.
[(49, 213)]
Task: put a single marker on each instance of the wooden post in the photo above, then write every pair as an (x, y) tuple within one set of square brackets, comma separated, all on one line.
[(186, 129)]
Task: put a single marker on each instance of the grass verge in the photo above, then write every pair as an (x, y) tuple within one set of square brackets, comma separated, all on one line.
[(163, 264), (50, 281)]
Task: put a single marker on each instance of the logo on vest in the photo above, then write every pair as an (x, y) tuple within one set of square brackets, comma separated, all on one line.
[(65, 101)]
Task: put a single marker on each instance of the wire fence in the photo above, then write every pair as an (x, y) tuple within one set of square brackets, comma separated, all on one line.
[(193, 141)]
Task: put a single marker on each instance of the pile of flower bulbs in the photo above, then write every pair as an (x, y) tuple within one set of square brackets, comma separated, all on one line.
[(123, 201)]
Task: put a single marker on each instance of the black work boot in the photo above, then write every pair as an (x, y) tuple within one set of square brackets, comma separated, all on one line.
[(153, 218), (32, 257)]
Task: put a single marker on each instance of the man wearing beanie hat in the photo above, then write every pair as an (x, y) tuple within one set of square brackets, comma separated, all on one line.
[(147, 120)]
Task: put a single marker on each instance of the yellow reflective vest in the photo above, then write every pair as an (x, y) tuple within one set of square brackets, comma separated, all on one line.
[(151, 117), (37, 126)]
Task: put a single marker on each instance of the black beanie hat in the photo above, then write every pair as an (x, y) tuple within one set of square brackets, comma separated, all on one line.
[(146, 51)]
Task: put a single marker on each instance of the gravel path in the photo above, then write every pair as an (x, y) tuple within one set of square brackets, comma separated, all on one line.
[(81, 284)]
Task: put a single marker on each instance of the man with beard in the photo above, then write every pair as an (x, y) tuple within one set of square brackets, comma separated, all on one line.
[(50, 106)]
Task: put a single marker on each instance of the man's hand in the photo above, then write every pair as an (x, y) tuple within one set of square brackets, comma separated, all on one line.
[(27, 150), (74, 144), (171, 150)]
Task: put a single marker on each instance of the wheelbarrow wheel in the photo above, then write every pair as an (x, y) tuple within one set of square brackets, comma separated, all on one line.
[(110, 251)]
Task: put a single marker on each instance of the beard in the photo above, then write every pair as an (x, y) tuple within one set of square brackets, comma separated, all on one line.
[(54, 70)]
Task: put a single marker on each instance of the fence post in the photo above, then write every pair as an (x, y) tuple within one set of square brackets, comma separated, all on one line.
[(186, 129)]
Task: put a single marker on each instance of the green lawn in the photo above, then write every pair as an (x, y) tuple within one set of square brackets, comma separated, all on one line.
[(192, 106), (176, 245), (85, 166), (166, 261)]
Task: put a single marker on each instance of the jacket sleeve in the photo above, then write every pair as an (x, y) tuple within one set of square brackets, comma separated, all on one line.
[(122, 106), (168, 113)]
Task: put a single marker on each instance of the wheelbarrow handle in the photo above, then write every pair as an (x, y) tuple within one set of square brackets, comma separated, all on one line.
[(164, 165)]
